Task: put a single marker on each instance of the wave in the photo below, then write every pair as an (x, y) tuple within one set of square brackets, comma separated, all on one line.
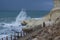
[(15, 26)]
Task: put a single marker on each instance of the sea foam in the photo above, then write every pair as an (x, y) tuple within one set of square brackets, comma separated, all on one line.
[(15, 26)]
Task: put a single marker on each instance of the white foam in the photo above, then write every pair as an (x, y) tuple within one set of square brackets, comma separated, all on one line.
[(15, 26), (22, 16)]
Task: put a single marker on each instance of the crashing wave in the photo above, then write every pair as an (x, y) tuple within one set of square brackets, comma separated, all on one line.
[(14, 26)]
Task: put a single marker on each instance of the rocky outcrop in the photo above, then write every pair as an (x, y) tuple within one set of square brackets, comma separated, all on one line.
[(23, 23), (49, 33)]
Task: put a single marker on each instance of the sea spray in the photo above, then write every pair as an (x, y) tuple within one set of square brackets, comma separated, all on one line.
[(22, 16), (14, 26)]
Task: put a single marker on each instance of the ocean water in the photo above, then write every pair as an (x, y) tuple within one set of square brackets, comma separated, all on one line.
[(11, 15), (31, 13), (10, 20), (8, 16)]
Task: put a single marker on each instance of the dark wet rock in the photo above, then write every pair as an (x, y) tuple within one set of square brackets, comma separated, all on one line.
[(23, 23)]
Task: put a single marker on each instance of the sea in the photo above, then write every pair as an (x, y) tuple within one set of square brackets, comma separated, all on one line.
[(10, 20), (31, 13), (10, 15)]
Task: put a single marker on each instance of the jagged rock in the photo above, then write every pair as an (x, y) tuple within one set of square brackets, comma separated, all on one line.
[(23, 23)]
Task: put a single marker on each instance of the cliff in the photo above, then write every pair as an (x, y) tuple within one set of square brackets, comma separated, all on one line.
[(52, 18)]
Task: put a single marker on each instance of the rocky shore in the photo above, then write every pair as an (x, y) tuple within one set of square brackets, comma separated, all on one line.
[(43, 33), (47, 27), (49, 33)]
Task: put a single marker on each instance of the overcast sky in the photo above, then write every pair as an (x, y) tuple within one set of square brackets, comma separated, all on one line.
[(26, 4)]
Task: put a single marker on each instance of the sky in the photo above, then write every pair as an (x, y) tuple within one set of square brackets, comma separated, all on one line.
[(26, 4)]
